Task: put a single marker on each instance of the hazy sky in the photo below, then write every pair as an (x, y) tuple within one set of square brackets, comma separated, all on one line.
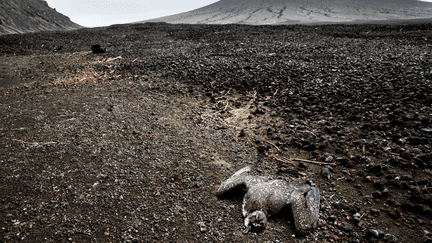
[(93, 13)]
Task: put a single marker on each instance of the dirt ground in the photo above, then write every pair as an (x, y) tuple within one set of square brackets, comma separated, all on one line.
[(116, 147)]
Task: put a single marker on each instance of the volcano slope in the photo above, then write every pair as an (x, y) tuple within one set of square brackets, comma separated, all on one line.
[(276, 12), (131, 145)]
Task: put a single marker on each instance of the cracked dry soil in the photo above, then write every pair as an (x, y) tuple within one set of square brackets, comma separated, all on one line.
[(131, 145)]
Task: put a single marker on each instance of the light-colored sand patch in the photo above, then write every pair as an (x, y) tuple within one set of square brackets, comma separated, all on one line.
[(238, 116)]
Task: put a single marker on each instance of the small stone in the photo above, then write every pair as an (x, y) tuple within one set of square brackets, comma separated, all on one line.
[(322, 145), (427, 130), (348, 227), (373, 233), (334, 237), (270, 131), (338, 204), (419, 208), (261, 149), (329, 159), (407, 206), (275, 137), (375, 211), (377, 234), (390, 238), (326, 173), (379, 183), (385, 192), (393, 183), (376, 169), (413, 140), (361, 223), (331, 218), (202, 226), (357, 221), (377, 195), (342, 160), (353, 211), (355, 240), (260, 110), (395, 214), (416, 150), (406, 155)]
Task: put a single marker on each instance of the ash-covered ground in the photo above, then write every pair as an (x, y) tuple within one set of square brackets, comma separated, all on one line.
[(132, 144)]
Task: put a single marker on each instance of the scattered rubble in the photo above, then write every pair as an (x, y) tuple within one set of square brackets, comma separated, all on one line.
[(132, 144)]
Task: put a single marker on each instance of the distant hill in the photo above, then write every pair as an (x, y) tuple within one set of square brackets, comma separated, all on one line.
[(259, 12), (21, 16)]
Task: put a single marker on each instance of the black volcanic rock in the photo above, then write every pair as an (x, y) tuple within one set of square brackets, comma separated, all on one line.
[(96, 138), (97, 49), (31, 16)]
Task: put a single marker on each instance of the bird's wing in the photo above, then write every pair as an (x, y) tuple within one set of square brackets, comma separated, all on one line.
[(305, 208), (243, 177), (234, 181), (313, 202)]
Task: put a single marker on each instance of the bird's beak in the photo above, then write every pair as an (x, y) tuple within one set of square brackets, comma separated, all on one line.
[(248, 228)]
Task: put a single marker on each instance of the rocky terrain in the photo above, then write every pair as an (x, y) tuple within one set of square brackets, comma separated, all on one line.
[(31, 16), (131, 145)]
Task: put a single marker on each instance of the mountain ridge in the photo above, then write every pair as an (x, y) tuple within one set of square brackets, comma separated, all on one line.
[(22, 16), (301, 12)]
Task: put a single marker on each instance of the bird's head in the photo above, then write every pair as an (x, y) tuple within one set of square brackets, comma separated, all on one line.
[(257, 220)]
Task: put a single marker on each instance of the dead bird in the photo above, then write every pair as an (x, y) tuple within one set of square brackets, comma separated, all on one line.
[(266, 197)]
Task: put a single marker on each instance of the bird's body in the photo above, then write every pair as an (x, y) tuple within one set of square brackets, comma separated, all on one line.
[(266, 197)]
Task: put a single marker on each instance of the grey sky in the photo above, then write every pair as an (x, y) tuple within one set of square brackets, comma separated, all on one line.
[(92, 13)]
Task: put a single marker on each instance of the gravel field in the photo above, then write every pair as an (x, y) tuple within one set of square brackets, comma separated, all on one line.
[(131, 145)]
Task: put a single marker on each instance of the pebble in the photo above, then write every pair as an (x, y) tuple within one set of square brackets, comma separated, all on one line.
[(390, 238), (331, 218), (377, 234), (353, 211), (326, 173), (338, 205), (348, 227), (341, 160), (377, 195), (275, 137)]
